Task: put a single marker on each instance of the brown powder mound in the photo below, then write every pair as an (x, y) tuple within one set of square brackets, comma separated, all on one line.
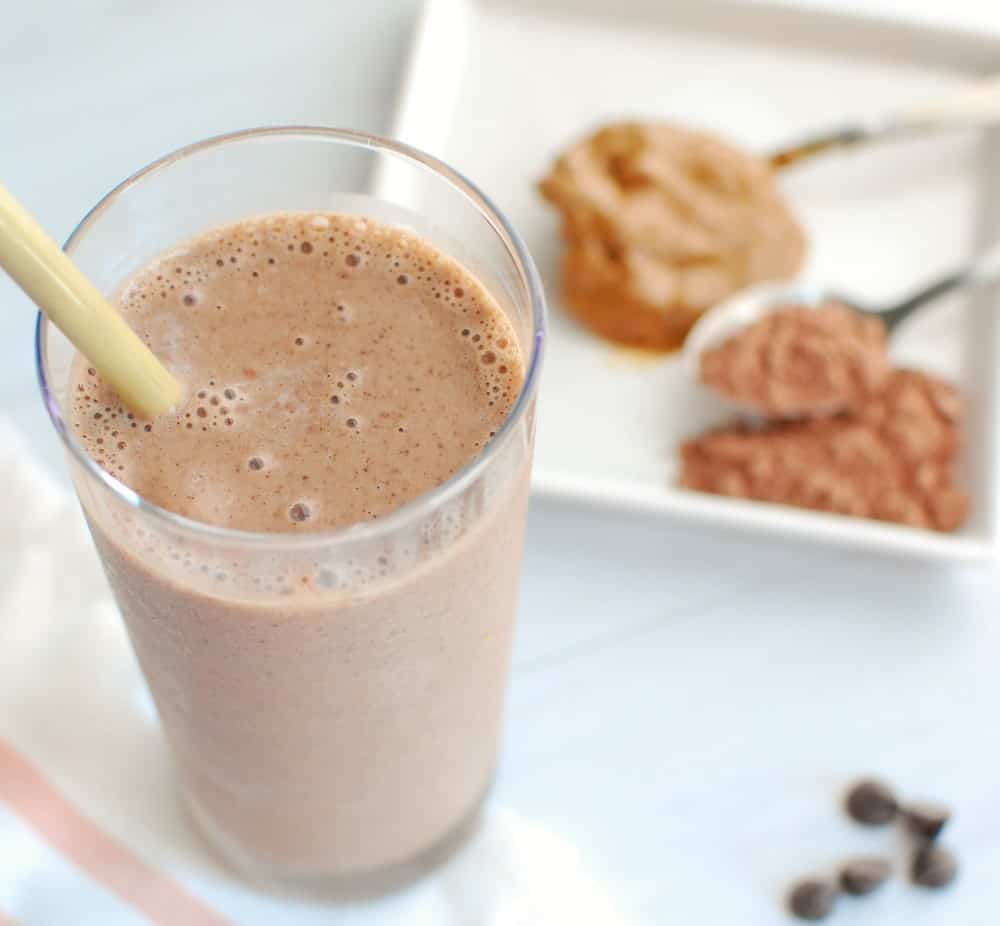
[(892, 459), (660, 224), (801, 362)]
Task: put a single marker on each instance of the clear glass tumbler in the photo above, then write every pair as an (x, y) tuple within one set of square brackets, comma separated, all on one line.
[(333, 700)]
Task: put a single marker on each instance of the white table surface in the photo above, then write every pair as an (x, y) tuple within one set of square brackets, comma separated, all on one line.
[(685, 704)]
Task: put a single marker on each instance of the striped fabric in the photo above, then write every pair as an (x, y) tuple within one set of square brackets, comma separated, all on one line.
[(67, 832)]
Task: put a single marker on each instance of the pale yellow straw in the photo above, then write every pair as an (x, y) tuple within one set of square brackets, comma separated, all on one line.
[(79, 311)]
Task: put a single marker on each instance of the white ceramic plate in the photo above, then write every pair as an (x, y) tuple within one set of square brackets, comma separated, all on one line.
[(499, 87)]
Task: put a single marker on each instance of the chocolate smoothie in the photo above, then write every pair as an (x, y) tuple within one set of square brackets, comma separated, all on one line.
[(333, 700)]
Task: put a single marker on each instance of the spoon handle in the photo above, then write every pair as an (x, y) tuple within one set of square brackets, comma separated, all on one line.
[(980, 271), (975, 104)]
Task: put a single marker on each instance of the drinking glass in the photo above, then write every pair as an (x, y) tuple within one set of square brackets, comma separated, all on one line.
[(333, 700)]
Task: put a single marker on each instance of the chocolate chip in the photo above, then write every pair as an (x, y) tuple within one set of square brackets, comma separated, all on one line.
[(812, 899), (860, 876), (926, 819), (871, 802), (933, 866)]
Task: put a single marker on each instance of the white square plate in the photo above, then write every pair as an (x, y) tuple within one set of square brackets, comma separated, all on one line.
[(498, 87)]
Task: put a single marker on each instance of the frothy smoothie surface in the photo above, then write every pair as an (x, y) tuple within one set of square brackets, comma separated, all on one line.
[(335, 368)]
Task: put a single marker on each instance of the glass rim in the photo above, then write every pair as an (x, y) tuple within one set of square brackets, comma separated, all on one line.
[(364, 530)]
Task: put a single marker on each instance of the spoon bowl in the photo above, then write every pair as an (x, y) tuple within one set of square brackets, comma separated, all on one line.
[(743, 309)]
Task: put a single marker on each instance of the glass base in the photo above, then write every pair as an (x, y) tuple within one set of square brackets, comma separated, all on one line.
[(350, 887)]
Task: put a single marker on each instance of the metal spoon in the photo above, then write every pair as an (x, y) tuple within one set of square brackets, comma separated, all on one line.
[(977, 103), (736, 313)]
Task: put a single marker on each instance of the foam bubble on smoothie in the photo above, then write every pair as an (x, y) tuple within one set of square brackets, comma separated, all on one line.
[(334, 367)]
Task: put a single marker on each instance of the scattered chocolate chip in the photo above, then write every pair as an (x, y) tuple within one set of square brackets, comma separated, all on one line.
[(860, 876), (926, 819), (871, 802), (812, 899), (933, 866)]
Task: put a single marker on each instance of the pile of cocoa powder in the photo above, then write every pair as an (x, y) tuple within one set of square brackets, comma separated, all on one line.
[(890, 454), (800, 362)]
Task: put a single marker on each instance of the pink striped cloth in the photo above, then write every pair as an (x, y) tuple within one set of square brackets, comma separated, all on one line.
[(69, 701), (78, 839)]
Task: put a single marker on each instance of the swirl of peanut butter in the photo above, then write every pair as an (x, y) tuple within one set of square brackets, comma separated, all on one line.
[(661, 223)]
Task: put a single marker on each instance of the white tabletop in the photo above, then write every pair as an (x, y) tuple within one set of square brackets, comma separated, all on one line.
[(685, 704)]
